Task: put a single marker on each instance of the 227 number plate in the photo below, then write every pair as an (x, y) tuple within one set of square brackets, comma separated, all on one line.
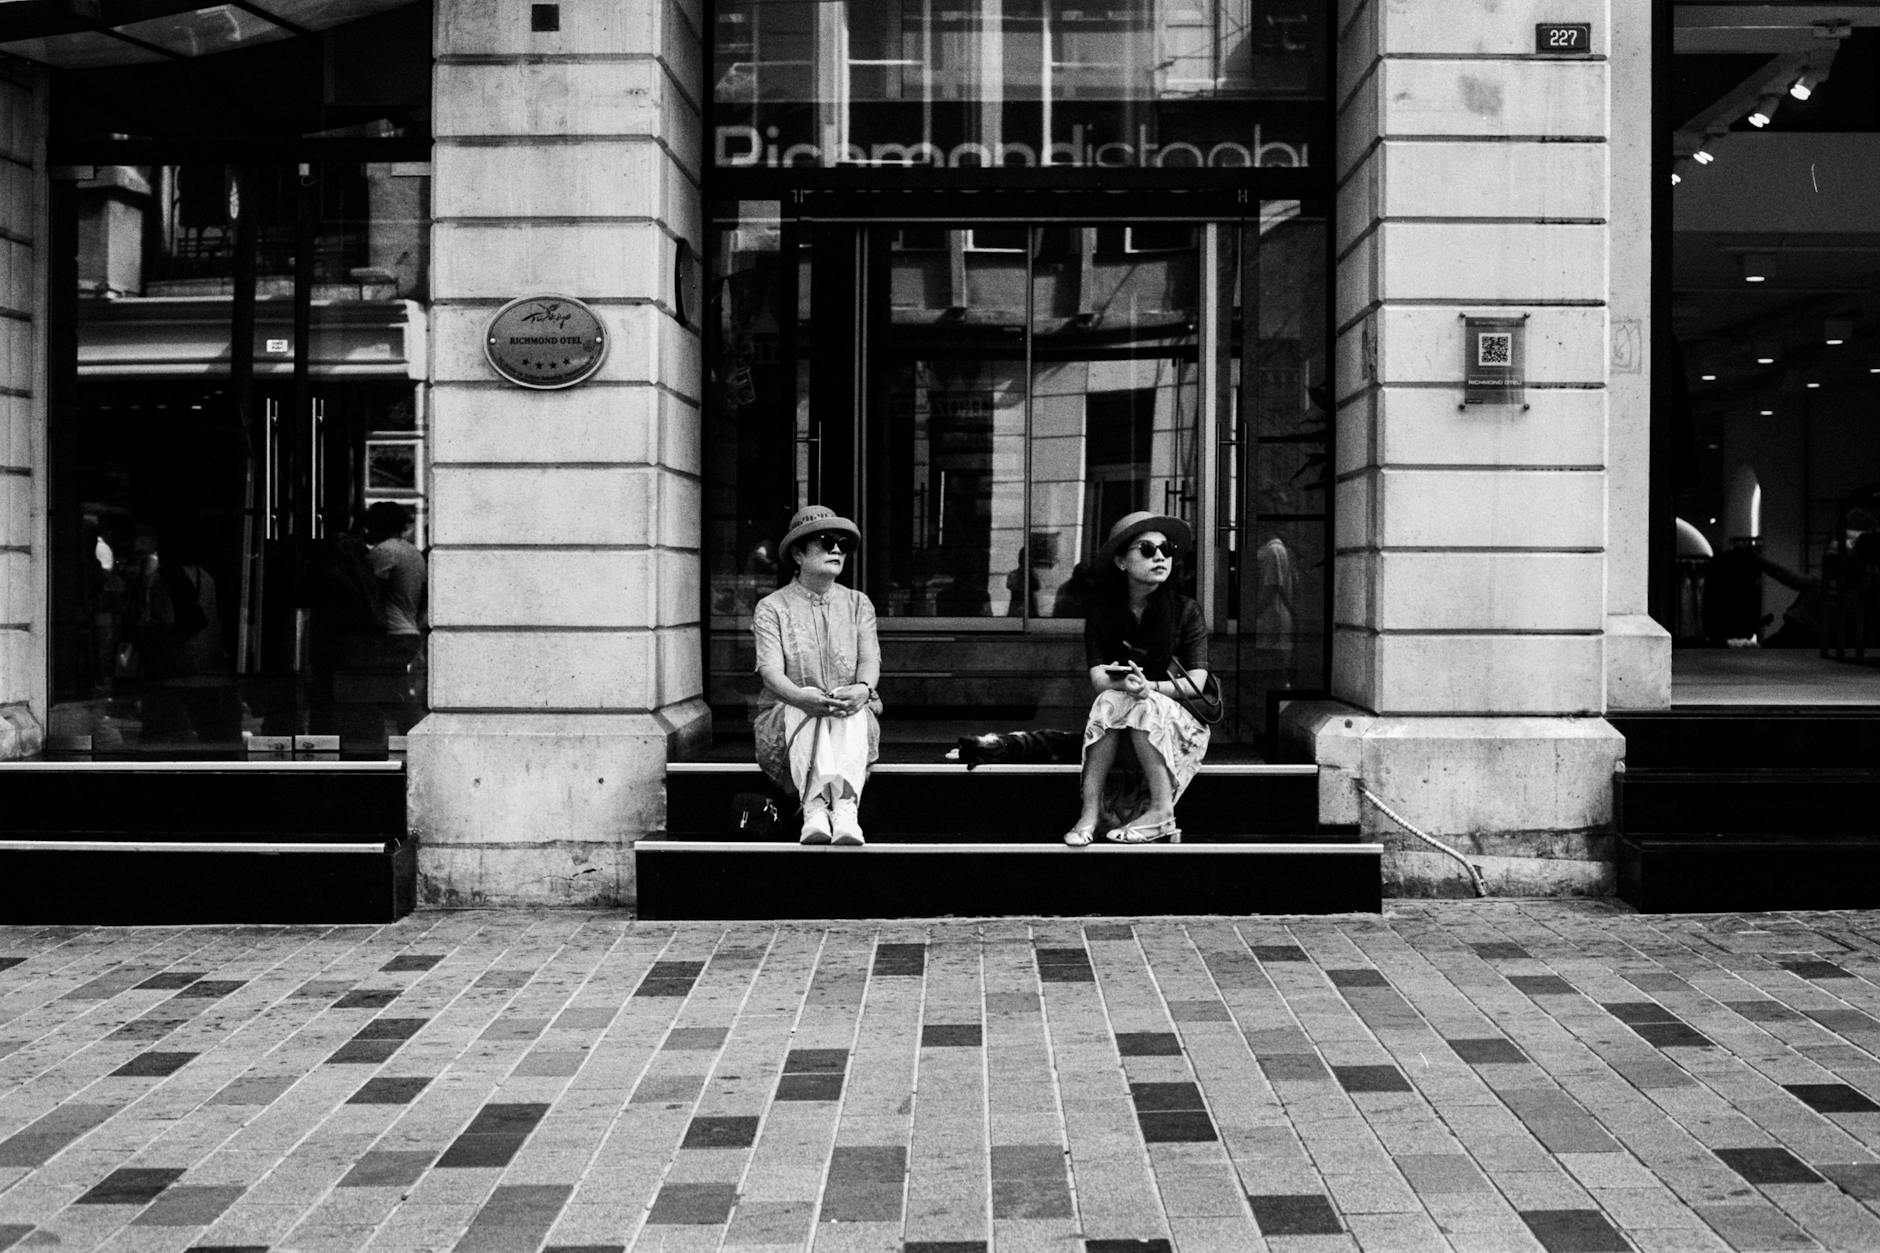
[(1563, 37)]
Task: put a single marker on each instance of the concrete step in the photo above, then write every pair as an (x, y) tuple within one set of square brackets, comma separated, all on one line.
[(703, 879)]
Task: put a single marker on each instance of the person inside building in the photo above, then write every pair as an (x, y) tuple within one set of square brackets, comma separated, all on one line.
[(1147, 648), (400, 570), (819, 658)]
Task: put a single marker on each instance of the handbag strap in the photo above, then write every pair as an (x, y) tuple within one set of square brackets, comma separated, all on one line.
[(1212, 710)]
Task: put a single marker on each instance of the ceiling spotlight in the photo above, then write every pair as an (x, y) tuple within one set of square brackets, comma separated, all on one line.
[(1764, 112), (1814, 385), (1704, 156), (1710, 378), (1766, 353), (1803, 87), (1756, 266), (1676, 178), (1768, 413), (1837, 331)]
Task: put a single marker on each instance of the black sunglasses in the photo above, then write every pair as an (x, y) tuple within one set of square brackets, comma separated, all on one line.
[(830, 542), (1151, 550)]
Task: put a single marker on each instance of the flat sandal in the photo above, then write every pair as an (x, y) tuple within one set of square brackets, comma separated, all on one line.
[(1147, 833), (1077, 837)]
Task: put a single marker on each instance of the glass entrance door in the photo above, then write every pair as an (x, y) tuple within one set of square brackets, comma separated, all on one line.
[(237, 388), (987, 397)]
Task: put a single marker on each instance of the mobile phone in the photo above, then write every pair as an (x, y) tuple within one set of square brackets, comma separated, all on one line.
[(1118, 672)]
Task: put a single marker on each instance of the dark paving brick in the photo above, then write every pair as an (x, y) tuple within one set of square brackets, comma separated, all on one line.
[(1061, 955), (389, 1090), (1124, 1246), (900, 959), (8, 963), (945, 1246), (516, 1216), (585, 1248), (1671, 1035), (388, 1168), (697, 1204), (862, 1202), (1295, 1214), (720, 1132), (1487, 1050), (1066, 974), (868, 1163), (1280, 953), (507, 1118), (507, 979), (944, 1035), (1157, 1097), (1813, 969), (390, 1029), (665, 987), (1499, 950), (189, 1205), (1358, 978), (367, 998), (1632, 1012), (209, 989), (1768, 1165), (1027, 1161), (364, 1052), (1860, 1179), (1833, 1098), (1846, 1021), (153, 1065), (170, 981), (1148, 1044), (1658, 981), (1176, 1127), (413, 961), (809, 1088), (469, 1151), (1371, 1079), (1108, 931), (1574, 1231), (700, 1039), (816, 1061), (1031, 1198), (1763, 1011), (1542, 985), (675, 970), (36, 1143), (495, 1135), (1297, 1067), (131, 1185), (12, 1233)]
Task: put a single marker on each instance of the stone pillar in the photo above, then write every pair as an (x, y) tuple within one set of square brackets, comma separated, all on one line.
[(1638, 649), (1469, 579), (565, 654), (23, 622)]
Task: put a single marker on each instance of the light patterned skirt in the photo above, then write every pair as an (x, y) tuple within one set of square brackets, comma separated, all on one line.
[(803, 755), (1178, 737)]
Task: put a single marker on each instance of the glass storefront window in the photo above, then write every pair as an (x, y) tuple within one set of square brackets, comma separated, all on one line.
[(238, 453), (1001, 84)]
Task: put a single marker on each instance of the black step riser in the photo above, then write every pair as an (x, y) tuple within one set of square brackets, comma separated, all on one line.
[(787, 882), (1697, 739), (1701, 877), (1000, 805), (250, 801), (147, 889), (1749, 803)]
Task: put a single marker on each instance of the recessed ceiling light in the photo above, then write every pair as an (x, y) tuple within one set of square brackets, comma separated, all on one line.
[(1756, 266), (1710, 378), (1768, 413), (1812, 385)]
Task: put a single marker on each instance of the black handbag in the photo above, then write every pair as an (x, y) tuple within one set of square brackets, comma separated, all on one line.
[(1206, 701)]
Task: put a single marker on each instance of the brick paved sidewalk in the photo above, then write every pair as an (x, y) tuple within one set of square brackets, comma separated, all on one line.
[(1489, 1076)]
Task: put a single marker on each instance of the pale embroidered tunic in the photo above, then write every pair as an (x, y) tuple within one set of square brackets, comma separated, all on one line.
[(818, 641)]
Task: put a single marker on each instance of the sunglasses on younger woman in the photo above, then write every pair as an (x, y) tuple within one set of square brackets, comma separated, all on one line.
[(1150, 550), (832, 543)]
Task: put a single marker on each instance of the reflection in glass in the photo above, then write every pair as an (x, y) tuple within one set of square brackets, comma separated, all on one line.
[(215, 590), (1018, 83)]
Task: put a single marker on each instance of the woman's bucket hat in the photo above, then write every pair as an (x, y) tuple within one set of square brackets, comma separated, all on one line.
[(814, 520), (1130, 525)]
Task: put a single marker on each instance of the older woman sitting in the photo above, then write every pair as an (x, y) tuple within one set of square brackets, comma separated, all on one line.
[(819, 658)]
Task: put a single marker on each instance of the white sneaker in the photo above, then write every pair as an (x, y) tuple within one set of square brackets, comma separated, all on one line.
[(815, 822), (848, 828)]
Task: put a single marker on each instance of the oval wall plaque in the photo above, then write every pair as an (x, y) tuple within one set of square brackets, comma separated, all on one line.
[(545, 341)]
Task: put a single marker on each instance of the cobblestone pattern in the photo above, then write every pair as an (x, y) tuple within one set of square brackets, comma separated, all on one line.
[(1480, 1076)]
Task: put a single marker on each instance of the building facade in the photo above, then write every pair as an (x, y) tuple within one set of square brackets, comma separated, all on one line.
[(984, 277)]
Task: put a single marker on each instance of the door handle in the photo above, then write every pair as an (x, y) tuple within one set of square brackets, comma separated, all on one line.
[(316, 495), (271, 494)]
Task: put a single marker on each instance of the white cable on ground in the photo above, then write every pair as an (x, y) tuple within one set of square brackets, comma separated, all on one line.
[(1475, 875)]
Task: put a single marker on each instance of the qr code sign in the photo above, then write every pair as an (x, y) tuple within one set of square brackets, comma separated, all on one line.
[(1494, 348)]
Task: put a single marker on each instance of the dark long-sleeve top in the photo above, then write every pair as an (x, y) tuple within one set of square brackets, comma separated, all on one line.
[(1113, 634)]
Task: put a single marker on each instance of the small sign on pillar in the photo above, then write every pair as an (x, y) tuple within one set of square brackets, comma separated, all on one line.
[(1494, 361)]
